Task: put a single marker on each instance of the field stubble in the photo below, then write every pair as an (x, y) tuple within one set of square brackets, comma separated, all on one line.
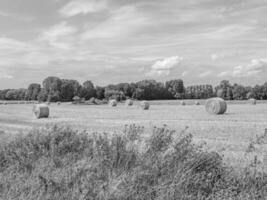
[(228, 134)]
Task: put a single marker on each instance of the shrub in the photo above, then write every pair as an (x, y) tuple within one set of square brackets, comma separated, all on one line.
[(60, 163)]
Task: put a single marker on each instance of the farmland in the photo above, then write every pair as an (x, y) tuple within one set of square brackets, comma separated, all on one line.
[(228, 134)]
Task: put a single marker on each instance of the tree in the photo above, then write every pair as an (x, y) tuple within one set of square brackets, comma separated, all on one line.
[(258, 92), (151, 90), (43, 95), (3, 94), (199, 92), (88, 90), (176, 88), (114, 94), (16, 94), (264, 91), (67, 91), (33, 91), (52, 86), (139, 94), (239, 92), (224, 90), (100, 92)]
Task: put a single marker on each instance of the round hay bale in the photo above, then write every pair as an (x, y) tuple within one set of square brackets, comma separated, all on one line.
[(197, 103), (98, 101), (128, 102), (112, 103), (183, 103), (216, 106), (253, 101), (144, 105), (92, 100), (41, 110)]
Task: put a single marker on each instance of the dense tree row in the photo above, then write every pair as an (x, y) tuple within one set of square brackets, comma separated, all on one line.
[(56, 89)]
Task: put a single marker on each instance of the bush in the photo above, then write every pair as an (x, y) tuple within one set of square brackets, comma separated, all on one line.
[(60, 163)]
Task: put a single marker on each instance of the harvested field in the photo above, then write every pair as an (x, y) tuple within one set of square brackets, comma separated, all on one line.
[(229, 134)]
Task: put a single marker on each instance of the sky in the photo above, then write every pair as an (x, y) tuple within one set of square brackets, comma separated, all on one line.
[(112, 41)]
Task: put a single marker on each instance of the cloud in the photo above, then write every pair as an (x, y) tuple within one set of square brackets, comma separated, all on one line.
[(5, 75), (184, 73), (227, 31), (10, 45), (225, 73), (77, 7), (255, 67), (18, 17), (204, 74), (123, 21), (214, 57), (59, 35), (163, 67)]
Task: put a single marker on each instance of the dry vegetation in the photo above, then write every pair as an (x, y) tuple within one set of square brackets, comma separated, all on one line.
[(229, 134), (60, 163)]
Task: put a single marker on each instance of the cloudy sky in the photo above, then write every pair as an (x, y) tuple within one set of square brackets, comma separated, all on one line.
[(111, 41)]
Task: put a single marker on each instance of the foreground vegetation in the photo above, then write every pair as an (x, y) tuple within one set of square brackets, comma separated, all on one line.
[(60, 163)]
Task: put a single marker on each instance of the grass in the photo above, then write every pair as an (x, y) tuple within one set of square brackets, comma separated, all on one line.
[(229, 134), (61, 163)]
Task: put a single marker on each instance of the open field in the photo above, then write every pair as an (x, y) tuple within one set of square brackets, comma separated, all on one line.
[(228, 134)]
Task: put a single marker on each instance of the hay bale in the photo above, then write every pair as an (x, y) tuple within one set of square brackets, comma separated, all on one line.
[(128, 102), (98, 101), (112, 103), (197, 103), (144, 105), (104, 101), (41, 110), (216, 106), (92, 100), (183, 103), (253, 101)]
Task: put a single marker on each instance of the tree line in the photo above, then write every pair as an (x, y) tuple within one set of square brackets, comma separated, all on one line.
[(55, 89)]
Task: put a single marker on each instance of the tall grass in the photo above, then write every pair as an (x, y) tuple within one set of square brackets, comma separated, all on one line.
[(60, 163)]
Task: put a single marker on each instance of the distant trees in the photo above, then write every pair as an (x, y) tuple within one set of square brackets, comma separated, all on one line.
[(3, 94), (100, 92), (43, 95), (150, 90), (176, 88), (239, 92), (68, 89), (16, 94), (33, 91), (52, 86), (56, 89), (199, 92), (88, 90)]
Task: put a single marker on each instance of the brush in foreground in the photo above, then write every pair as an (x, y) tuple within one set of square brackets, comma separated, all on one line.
[(113, 103), (41, 111), (64, 164), (144, 105), (252, 101), (128, 102), (216, 106)]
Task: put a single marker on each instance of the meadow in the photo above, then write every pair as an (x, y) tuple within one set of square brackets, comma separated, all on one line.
[(170, 151), (229, 134)]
